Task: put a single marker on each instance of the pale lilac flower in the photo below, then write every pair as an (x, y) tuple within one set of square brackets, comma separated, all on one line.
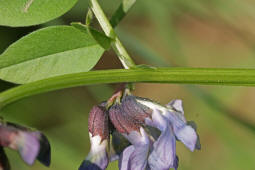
[(30, 144), (99, 134), (143, 133)]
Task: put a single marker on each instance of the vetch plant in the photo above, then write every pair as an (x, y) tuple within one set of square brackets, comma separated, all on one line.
[(138, 132)]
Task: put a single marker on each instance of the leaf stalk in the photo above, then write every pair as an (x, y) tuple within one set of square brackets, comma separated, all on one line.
[(204, 76), (120, 50)]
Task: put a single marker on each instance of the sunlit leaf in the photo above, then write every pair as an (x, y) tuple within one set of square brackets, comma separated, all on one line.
[(49, 52)]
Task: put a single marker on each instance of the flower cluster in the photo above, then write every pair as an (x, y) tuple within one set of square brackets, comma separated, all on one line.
[(138, 132), (30, 144)]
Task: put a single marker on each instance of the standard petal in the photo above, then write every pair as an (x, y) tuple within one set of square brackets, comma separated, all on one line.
[(4, 162), (97, 158), (122, 121), (128, 115), (140, 141), (98, 121), (134, 109)]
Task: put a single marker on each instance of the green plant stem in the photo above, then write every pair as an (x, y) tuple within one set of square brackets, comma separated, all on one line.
[(123, 55), (205, 76)]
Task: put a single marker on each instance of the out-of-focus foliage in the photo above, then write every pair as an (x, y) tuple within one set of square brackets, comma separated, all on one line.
[(198, 33)]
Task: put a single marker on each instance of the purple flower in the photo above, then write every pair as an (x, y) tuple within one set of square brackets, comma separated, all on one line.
[(138, 132), (30, 144)]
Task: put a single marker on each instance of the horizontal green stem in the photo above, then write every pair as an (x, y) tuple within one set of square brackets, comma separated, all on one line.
[(206, 76)]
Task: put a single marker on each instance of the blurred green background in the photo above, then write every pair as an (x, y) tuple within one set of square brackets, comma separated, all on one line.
[(197, 33)]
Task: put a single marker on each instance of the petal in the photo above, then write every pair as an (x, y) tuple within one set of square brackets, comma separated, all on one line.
[(175, 115), (128, 115), (121, 120), (99, 134), (128, 118), (157, 120), (177, 105), (194, 126), (140, 141), (4, 162), (183, 131), (97, 157), (30, 144), (176, 163), (187, 136), (134, 109), (124, 157), (45, 151), (163, 154)]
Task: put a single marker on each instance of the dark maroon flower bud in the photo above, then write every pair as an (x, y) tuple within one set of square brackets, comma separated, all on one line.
[(128, 115), (99, 122)]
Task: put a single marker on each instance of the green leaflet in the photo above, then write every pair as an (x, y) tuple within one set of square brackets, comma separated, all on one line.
[(49, 52), (99, 37), (32, 12)]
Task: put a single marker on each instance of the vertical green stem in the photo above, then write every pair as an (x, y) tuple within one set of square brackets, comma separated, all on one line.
[(123, 55)]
